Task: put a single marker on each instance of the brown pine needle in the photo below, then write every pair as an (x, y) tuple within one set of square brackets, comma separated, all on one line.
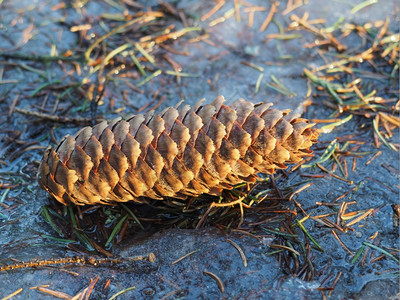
[(35, 287), (358, 219), (270, 15), (341, 243), (373, 157), (247, 233), (341, 212), (213, 10), (276, 246), (254, 9), (54, 293), (12, 294), (183, 257), (242, 255), (325, 221), (251, 18), (291, 7), (307, 25), (335, 282), (217, 279), (228, 204), (237, 10), (377, 258), (325, 120), (306, 186), (88, 291), (391, 119), (146, 17), (333, 174)]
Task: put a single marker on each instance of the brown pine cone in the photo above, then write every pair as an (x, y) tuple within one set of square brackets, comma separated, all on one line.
[(177, 153)]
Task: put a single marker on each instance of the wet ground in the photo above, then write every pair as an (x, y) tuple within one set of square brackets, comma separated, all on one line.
[(217, 65)]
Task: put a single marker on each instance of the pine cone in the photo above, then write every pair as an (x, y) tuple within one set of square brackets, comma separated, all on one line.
[(177, 153)]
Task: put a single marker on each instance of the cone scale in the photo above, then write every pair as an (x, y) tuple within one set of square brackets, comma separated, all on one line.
[(178, 153)]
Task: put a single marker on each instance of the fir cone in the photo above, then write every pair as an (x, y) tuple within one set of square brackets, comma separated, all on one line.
[(177, 153)]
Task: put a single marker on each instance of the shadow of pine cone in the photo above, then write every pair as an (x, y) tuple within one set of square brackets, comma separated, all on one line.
[(177, 153)]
